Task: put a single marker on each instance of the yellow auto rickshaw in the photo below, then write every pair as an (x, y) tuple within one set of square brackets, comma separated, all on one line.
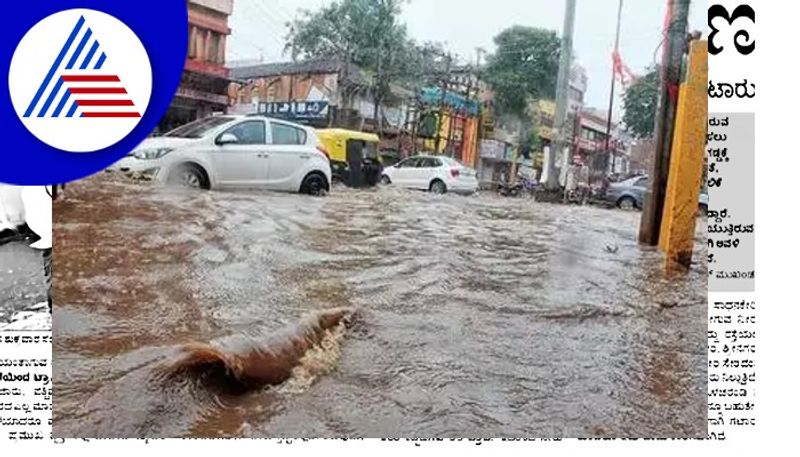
[(354, 156)]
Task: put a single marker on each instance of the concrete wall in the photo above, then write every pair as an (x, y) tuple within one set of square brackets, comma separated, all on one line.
[(222, 6)]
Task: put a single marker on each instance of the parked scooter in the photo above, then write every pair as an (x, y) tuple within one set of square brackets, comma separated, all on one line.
[(580, 195), (509, 190), (524, 186)]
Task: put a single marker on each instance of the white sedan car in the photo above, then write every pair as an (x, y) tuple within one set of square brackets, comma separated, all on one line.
[(438, 174), (234, 151)]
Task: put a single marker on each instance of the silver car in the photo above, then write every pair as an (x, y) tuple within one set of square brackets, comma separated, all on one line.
[(630, 193)]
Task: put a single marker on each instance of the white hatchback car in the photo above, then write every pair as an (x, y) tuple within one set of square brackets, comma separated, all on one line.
[(234, 151), (438, 174)]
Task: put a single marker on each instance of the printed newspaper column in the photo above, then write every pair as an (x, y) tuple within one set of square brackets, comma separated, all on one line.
[(731, 238), (25, 386), (730, 149), (731, 241)]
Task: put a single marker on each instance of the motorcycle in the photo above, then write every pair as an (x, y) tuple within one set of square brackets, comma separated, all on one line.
[(524, 186), (578, 196), (509, 190)]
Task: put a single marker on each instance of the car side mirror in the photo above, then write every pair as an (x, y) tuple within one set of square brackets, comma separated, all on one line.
[(227, 138)]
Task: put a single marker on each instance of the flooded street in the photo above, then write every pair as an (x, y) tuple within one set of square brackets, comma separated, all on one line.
[(22, 280), (476, 316)]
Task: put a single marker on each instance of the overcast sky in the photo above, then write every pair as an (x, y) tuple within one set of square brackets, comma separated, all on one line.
[(464, 25)]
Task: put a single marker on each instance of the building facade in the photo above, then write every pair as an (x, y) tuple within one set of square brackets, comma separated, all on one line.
[(545, 110), (204, 84), (604, 156), (340, 88), (320, 93), (642, 154)]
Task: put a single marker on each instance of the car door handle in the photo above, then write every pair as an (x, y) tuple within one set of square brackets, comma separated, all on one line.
[(262, 156), (304, 156)]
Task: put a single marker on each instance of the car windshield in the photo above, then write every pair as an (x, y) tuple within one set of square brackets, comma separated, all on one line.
[(199, 128)]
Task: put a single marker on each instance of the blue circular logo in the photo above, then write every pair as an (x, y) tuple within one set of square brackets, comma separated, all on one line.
[(87, 82)]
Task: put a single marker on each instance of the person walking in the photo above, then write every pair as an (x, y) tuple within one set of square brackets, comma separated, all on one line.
[(26, 215)]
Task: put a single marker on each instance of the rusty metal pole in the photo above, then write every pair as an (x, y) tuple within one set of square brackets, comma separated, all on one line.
[(611, 96), (675, 47)]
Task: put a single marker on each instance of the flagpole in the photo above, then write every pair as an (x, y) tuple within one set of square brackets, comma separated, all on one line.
[(613, 87)]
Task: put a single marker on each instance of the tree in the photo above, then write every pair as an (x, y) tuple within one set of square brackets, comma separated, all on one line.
[(524, 68), (641, 101), (366, 33)]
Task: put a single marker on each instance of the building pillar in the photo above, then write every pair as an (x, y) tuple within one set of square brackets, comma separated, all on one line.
[(207, 46), (192, 42), (223, 39)]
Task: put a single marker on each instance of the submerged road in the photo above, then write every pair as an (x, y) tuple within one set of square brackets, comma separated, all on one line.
[(478, 316), (22, 281)]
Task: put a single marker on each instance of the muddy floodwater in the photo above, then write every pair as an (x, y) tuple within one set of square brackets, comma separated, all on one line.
[(476, 316)]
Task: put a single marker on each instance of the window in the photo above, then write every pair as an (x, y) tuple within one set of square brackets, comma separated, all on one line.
[(197, 46), (371, 150), (283, 134), (429, 162), (213, 48), (250, 132), (575, 94), (206, 45), (409, 163), (643, 182), (451, 162)]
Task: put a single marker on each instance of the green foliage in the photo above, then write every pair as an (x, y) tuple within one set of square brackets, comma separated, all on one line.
[(641, 101), (532, 140), (366, 33), (523, 68)]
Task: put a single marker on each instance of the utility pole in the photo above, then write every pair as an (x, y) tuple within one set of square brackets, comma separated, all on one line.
[(415, 125), (455, 89), (562, 93), (613, 87), (347, 93), (474, 80), (376, 96), (477, 73), (294, 61), (444, 86), (377, 84), (675, 48)]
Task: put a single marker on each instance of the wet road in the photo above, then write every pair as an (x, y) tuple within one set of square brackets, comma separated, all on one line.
[(478, 316), (22, 281)]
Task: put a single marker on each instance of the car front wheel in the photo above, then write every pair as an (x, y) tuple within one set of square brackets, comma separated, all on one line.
[(190, 176), (385, 180), (627, 204)]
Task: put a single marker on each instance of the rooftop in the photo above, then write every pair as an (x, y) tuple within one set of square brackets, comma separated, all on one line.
[(292, 68), (221, 6)]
